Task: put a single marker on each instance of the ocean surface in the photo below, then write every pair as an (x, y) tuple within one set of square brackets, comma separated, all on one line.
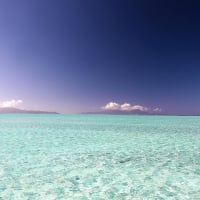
[(99, 157)]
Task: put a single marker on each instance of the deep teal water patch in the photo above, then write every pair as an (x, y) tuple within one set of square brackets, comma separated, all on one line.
[(99, 157)]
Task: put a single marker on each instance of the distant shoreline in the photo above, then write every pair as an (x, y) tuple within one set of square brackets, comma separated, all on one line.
[(21, 111), (144, 114)]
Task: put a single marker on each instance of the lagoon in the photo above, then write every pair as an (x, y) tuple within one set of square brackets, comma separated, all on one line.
[(47, 156)]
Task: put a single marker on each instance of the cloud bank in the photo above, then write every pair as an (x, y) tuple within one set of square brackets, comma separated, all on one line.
[(113, 106), (10, 104)]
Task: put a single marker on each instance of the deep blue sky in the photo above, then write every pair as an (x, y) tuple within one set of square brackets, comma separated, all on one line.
[(74, 55)]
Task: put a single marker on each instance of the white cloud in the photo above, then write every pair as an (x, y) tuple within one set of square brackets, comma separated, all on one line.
[(112, 106), (10, 104), (124, 107), (128, 107), (157, 110)]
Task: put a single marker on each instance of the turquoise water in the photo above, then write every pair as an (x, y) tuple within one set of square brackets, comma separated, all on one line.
[(99, 157)]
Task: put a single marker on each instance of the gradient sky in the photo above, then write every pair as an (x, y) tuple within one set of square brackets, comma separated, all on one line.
[(73, 56)]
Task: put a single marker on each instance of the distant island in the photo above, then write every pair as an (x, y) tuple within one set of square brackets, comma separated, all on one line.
[(120, 112), (137, 112), (21, 111)]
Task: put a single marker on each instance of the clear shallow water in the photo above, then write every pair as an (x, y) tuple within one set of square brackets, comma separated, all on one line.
[(99, 157)]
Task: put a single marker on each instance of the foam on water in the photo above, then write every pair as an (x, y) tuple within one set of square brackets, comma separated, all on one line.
[(99, 157)]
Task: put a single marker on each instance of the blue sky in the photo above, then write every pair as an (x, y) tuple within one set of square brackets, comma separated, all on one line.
[(73, 56)]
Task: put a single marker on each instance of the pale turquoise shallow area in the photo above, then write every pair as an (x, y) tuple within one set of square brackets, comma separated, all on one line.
[(99, 157)]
